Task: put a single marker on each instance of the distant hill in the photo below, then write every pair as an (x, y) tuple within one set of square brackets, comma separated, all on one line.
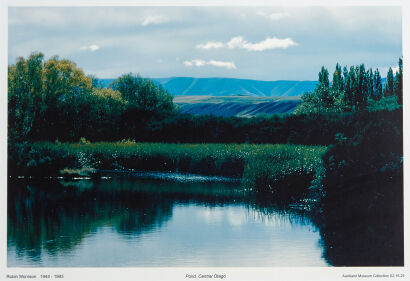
[(241, 106), (230, 87), (188, 86), (234, 87)]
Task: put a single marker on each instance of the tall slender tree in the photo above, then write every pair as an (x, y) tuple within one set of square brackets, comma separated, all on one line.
[(370, 84), (378, 93), (389, 86), (361, 89), (398, 83), (337, 82)]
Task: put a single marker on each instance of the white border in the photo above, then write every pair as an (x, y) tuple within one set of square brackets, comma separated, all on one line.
[(262, 273)]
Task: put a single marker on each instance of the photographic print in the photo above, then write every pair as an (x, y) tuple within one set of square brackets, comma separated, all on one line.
[(204, 137)]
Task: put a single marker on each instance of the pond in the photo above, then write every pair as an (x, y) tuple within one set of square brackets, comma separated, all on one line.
[(159, 222)]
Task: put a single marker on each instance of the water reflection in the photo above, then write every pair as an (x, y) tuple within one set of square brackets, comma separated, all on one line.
[(141, 222)]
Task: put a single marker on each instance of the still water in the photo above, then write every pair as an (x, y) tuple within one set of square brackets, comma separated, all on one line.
[(132, 221)]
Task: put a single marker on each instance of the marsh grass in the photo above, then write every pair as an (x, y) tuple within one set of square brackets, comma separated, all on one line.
[(283, 169)]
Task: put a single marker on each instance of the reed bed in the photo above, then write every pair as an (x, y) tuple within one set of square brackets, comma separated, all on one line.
[(277, 168)]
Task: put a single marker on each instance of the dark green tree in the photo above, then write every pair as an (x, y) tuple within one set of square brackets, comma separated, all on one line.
[(337, 82), (370, 84), (398, 83), (388, 89), (378, 93), (144, 94), (25, 97), (324, 77), (361, 89)]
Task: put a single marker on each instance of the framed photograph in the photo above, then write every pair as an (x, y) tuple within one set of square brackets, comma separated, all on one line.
[(197, 140)]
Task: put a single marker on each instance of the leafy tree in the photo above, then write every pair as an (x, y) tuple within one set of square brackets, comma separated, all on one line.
[(389, 86), (106, 110), (145, 95), (378, 93), (398, 83), (361, 90), (337, 82), (370, 84), (46, 98), (25, 97), (324, 77), (66, 88)]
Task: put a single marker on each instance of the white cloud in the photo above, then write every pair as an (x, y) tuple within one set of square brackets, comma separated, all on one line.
[(196, 62), (227, 64), (210, 45), (239, 42), (91, 48), (153, 20), (267, 44), (199, 63), (272, 16)]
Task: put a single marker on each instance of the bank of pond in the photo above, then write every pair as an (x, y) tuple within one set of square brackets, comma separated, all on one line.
[(260, 167), (354, 205)]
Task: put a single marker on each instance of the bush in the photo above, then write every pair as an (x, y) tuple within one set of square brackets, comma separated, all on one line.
[(364, 194)]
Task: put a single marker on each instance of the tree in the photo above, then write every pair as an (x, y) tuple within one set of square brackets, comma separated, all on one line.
[(378, 93), (324, 77), (350, 86), (145, 95), (389, 86), (46, 98), (106, 110), (398, 83), (337, 82), (25, 98), (324, 98), (361, 90), (66, 89), (370, 84)]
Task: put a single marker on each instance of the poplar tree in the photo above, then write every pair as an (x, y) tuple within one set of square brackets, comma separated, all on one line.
[(377, 85), (389, 86), (370, 84), (361, 89), (337, 82), (398, 83)]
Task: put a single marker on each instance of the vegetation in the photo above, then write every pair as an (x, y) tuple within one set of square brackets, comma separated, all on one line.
[(364, 189), (353, 90), (55, 100), (358, 178), (261, 167)]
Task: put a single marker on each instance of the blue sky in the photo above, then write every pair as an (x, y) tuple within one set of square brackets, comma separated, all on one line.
[(264, 43)]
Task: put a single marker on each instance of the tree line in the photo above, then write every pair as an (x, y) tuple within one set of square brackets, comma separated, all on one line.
[(354, 89), (54, 100)]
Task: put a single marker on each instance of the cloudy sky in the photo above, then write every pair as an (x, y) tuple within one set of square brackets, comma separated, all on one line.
[(265, 43)]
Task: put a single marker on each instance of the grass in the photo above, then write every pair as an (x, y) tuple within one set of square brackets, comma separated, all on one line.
[(280, 168)]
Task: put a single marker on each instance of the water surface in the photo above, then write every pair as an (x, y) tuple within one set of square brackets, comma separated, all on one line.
[(129, 221)]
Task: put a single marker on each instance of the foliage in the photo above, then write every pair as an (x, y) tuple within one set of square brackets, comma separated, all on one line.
[(398, 83), (54, 99), (144, 95), (385, 103), (363, 183), (261, 167), (352, 91), (44, 95)]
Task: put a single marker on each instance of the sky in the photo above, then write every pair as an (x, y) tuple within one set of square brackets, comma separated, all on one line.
[(262, 43)]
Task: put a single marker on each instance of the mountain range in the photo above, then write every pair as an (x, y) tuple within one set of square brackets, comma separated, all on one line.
[(189, 86), (233, 97)]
